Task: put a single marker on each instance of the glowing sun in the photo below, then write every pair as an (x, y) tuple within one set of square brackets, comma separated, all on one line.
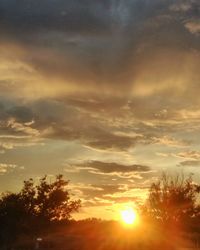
[(129, 216)]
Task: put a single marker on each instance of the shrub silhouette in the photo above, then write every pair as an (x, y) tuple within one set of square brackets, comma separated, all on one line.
[(173, 200)]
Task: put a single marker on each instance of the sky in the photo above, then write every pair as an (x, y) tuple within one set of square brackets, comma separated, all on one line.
[(104, 92)]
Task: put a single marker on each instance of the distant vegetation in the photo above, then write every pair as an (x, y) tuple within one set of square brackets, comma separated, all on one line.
[(172, 210)]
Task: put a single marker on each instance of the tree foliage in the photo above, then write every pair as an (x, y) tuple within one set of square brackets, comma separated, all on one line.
[(173, 199), (35, 206)]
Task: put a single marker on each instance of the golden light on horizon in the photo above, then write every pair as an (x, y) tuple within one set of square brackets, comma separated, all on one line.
[(129, 216)]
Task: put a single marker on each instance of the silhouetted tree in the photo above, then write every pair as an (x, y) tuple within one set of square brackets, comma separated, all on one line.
[(35, 206), (173, 199)]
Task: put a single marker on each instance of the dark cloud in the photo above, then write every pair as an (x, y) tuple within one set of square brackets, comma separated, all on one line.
[(21, 114), (94, 123), (72, 16), (15, 120), (106, 167), (191, 163), (64, 39), (76, 15), (106, 140)]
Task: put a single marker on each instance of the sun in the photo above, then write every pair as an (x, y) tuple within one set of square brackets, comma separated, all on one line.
[(129, 216)]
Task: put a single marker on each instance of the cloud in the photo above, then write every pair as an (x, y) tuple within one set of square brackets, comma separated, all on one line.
[(91, 135), (182, 6), (112, 50), (191, 158), (106, 167), (16, 120), (193, 26), (192, 155), (107, 194), (101, 189), (17, 126), (111, 201), (21, 114), (160, 154), (5, 168), (110, 169), (171, 142), (125, 199), (93, 195), (191, 163), (107, 141), (104, 47), (70, 16), (14, 134)]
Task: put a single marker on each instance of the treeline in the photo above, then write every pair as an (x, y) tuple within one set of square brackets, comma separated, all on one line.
[(173, 202)]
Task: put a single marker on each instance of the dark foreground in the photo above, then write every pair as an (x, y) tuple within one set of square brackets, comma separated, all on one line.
[(95, 235)]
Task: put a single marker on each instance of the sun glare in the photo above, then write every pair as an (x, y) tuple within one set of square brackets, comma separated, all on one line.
[(129, 216)]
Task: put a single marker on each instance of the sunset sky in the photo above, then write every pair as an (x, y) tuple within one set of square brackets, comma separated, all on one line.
[(106, 93)]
